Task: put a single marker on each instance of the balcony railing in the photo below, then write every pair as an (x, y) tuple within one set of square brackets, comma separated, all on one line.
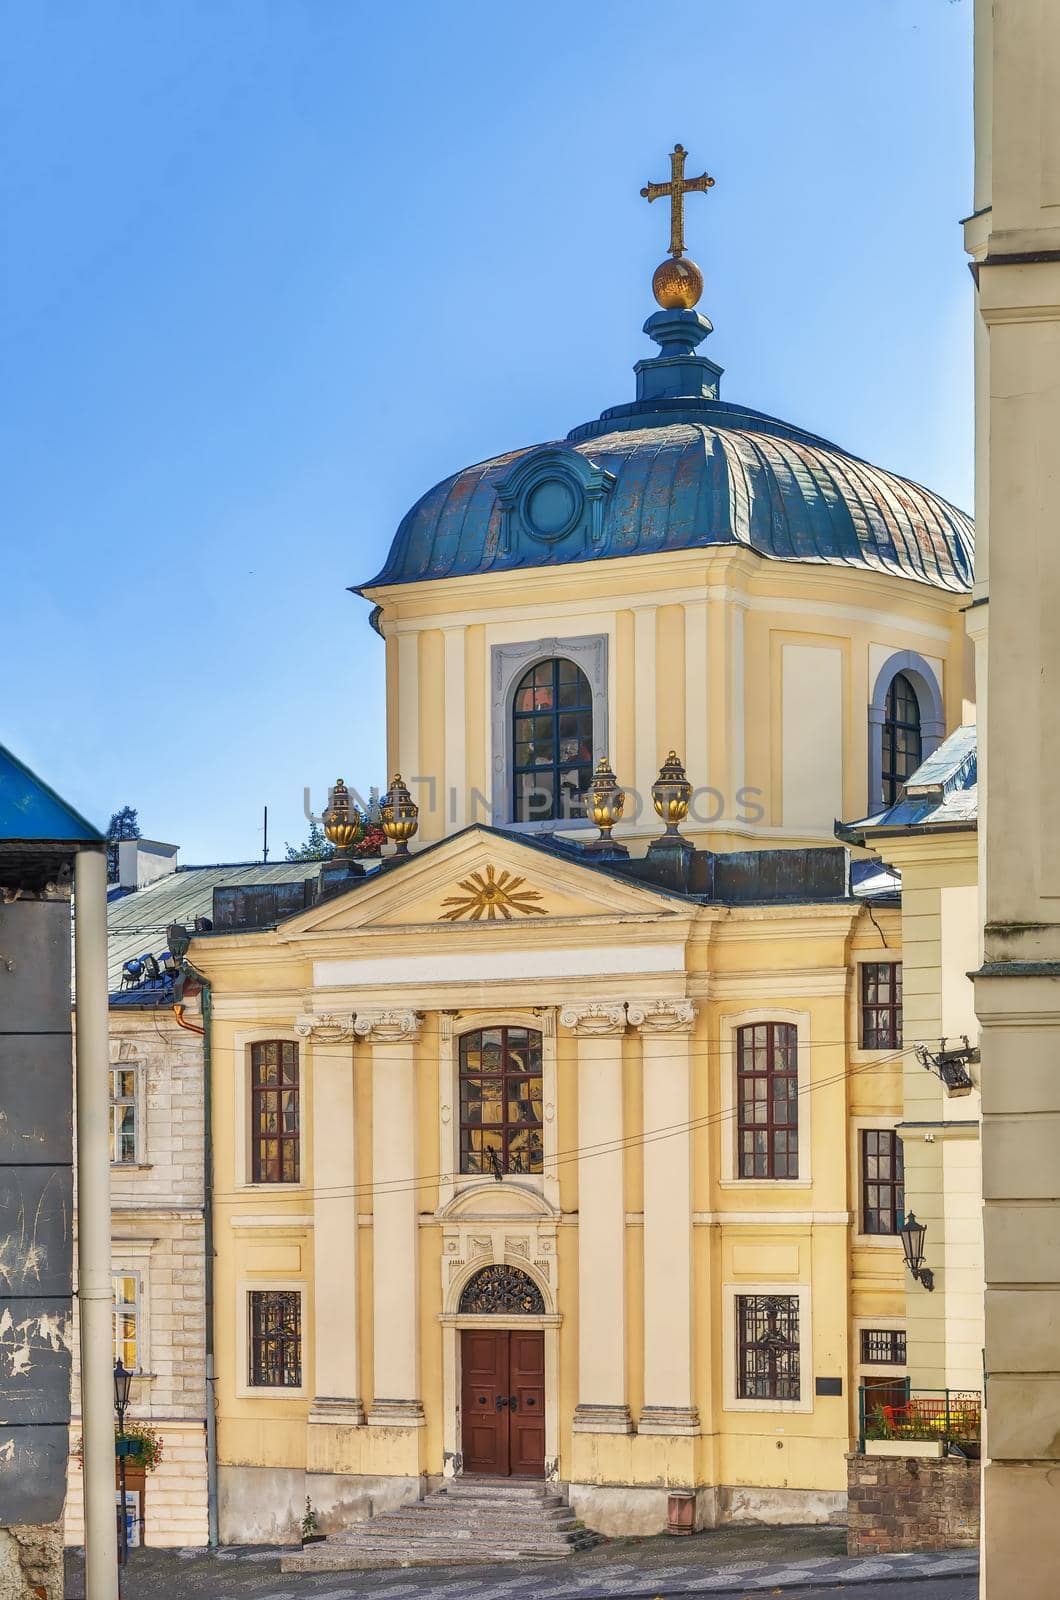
[(953, 1416)]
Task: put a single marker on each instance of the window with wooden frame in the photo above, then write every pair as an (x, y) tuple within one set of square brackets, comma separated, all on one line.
[(881, 1005), (123, 1119), (500, 1101), (882, 1181), (274, 1112), (902, 737), (552, 742), (125, 1290), (767, 1346), (767, 1088), (274, 1324)]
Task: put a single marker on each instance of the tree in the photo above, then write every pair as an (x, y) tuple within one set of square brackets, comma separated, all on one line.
[(316, 847), (124, 824)]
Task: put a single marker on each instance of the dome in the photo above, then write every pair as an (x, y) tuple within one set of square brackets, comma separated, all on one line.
[(680, 469)]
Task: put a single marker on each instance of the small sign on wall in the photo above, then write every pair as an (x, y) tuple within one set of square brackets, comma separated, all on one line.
[(828, 1386)]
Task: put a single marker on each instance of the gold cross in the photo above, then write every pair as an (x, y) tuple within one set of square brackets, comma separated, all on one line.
[(677, 188)]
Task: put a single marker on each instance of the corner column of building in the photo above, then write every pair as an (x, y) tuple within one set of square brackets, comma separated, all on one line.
[(666, 1031), (602, 1406), (396, 1398), (336, 1347)]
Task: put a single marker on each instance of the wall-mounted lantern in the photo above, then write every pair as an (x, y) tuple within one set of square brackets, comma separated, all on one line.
[(912, 1234)]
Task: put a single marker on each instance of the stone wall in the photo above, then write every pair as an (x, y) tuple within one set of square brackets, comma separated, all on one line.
[(31, 1563), (911, 1503)]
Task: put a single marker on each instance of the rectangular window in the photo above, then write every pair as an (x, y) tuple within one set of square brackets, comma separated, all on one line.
[(125, 1287), (767, 1074), (767, 1343), (881, 1005), (883, 1347), (123, 1116), (275, 1323), (882, 1181), (274, 1112)]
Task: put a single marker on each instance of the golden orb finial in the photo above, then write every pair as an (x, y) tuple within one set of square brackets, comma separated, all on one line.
[(343, 823), (398, 815), (677, 284)]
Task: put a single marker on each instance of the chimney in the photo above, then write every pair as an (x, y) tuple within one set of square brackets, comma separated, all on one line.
[(143, 861)]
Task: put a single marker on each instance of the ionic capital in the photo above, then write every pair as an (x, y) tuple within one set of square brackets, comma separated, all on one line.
[(325, 1027), (387, 1027), (595, 1018), (662, 1016)]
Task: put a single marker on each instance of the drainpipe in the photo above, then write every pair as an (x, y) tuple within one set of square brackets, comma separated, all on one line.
[(207, 1230), (94, 1285)]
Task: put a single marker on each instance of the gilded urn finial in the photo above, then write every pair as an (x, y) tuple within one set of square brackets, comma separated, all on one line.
[(670, 794), (343, 823), (398, 815), (678, 283), (606, 800)]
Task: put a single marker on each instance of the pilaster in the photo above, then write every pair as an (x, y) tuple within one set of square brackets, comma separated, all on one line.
[(666, 1032), (392, 1037), (328, 1040), (599, 1028)]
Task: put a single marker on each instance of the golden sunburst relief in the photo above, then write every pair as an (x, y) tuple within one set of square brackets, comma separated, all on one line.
[(489, 896)]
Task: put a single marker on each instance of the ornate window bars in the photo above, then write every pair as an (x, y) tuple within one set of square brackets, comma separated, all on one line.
[(500, 1289), (275, 1327), (767, 1329)]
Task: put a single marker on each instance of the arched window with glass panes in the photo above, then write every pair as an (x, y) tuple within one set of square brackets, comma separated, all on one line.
[(902, 740), (500, 1101), (552, 742)]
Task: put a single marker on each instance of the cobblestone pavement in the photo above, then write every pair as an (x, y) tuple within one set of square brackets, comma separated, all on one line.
[(730, 1561)]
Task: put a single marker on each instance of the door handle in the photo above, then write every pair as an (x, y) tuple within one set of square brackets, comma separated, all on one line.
[(501, 1402), (513, 1402)]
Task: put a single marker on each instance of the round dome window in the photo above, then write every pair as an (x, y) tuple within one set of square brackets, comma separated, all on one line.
[(552, 507)]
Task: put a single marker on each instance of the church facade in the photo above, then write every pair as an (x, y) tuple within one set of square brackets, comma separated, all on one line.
[(567, 1149)]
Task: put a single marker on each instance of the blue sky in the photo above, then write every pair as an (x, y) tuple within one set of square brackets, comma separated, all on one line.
[(272, 269)]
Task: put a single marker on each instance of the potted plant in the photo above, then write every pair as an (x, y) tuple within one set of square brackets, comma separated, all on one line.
[(309, 1525)]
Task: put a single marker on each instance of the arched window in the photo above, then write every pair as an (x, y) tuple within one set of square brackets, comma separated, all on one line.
[(274, 1115), (552, 742), (500, 1101), (767, 1072), (902, 741)]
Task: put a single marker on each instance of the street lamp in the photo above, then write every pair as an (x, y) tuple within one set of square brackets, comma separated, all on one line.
[(912, 1234), (122, 1384)]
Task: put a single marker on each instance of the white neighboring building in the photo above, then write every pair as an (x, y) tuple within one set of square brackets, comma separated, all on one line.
[(157, 1182)]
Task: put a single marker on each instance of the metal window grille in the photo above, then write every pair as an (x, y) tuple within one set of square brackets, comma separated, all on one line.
[(275, 1321), (881, 1005), (767, 1328), (882, 1181), (500, 1101), (552, 742), (123, 1128), (274, 1112), (768, 1100), (902, 742), (125, 1289), (883, 1347)]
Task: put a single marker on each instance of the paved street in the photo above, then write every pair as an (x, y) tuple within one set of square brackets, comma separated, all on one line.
[(736, 1562)]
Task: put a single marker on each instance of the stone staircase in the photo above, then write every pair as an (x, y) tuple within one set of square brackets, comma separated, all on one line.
[(471, 1520)]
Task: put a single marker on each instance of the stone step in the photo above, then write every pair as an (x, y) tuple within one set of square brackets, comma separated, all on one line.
[(328, 1557)]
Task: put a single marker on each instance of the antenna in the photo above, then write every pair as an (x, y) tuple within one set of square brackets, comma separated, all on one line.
[(265, 840)]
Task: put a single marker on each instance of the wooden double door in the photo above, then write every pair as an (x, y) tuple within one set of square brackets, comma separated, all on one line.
[(503, 1401)]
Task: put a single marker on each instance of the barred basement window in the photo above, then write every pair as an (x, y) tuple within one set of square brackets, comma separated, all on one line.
[(883, 1347), (882, 1181), (275, 1321), (767, 1341), (768, 1089), (274, 1115), (881, 1005), (123, 1116)]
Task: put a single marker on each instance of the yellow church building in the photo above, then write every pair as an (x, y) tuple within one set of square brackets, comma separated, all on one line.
[(562, 1144)]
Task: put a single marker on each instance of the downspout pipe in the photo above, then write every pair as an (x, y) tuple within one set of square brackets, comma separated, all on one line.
[(208, 1236), (95, 1293)]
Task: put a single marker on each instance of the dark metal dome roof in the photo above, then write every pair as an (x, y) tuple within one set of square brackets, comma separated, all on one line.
[(680, 471)]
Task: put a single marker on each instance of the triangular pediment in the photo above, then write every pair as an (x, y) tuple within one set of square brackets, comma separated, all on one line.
[(487, 878)]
